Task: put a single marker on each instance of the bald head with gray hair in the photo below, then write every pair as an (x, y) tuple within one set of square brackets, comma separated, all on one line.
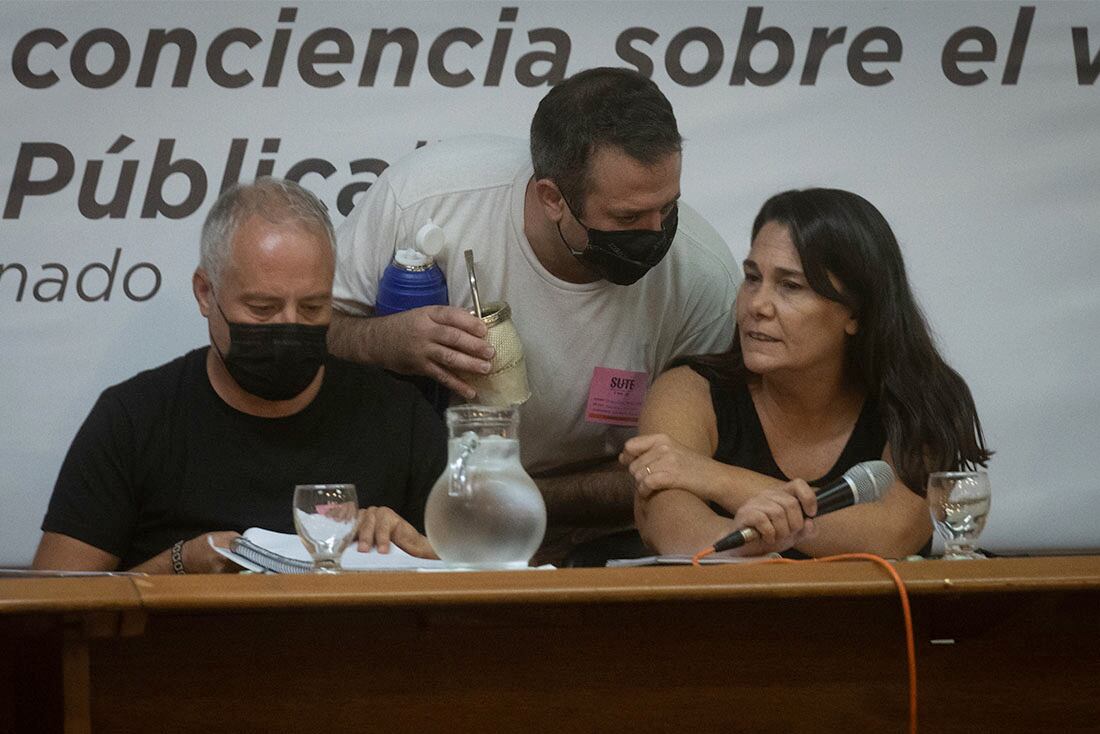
[(277, 200)]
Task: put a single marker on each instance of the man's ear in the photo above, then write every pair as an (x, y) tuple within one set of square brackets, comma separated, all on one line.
[(549, 196), (852, 327), (204, 293)]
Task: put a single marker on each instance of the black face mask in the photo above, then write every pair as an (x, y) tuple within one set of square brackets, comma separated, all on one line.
[(273, 361), (623, 256)]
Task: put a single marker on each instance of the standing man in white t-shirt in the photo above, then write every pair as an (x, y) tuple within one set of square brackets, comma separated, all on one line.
[(608, 275)]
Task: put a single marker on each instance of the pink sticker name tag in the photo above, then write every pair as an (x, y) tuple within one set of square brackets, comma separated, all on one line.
[(615, 396)]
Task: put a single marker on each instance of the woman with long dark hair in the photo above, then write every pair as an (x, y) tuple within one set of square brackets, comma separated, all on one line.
[(831, 364)]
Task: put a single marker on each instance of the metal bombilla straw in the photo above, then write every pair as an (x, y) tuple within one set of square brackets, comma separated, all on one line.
[(473, 281)]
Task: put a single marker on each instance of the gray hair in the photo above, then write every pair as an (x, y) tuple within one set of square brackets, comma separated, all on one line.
[(275, 199)]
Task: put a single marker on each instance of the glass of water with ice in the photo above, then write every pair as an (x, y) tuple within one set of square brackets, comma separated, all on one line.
[(326, 517), (959, 503)]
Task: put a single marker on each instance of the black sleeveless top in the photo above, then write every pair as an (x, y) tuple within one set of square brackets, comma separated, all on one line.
[(741, 440)]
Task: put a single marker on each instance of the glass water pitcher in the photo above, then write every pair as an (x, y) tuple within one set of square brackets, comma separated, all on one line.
[(484, 510)]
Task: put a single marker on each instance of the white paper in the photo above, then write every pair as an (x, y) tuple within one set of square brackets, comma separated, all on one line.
[(286, 544), (714, 559), (290, 546)]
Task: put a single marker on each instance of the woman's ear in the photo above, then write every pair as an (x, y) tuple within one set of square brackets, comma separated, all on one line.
[(852, 327)]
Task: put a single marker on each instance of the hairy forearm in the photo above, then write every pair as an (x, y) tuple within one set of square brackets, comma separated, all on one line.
[(599, 495), (160, 563), (58, 552), (355, 338)]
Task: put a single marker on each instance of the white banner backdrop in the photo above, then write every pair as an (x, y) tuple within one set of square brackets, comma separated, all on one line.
[(975, 127)]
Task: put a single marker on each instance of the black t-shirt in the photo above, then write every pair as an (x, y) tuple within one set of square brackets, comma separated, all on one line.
[(162, 458)]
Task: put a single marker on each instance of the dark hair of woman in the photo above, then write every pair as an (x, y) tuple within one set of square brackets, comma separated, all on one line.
[(926, 407)]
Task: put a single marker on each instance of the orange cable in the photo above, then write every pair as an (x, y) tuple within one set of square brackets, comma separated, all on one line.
[(701, 554), (903, 594)]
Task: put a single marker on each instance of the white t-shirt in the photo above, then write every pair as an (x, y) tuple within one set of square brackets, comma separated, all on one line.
[(474, 188)]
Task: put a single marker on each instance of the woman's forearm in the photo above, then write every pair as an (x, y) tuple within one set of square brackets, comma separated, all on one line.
[(678, 522)]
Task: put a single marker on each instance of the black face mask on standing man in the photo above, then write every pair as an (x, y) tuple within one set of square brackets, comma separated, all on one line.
[(273, 361), (623, 256)]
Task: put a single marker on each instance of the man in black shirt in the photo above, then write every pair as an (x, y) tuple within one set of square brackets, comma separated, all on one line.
[(215, 441)]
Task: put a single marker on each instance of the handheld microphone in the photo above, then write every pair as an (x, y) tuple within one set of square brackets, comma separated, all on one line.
[(864, 482)]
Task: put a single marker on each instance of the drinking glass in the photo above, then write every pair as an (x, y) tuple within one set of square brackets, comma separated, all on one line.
[(959, 503), (326, 516)]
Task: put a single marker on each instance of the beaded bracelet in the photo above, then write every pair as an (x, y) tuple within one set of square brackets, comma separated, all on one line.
[(177, 557)]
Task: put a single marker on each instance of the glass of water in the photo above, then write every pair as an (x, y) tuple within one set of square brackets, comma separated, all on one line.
[(959, 503), (326, 517)]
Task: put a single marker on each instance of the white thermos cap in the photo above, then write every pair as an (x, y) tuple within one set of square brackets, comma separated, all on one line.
[(430, 239)]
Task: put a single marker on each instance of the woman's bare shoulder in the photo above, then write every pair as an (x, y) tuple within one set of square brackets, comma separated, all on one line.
[(681, 381), (678, 402)]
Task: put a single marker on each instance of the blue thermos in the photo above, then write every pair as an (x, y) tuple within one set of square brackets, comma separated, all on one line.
[(411, 280)]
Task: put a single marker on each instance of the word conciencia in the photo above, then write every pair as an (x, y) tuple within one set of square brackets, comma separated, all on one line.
[(456, 57)]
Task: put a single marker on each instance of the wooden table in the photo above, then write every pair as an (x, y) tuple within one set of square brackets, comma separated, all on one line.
[(1003, 645)]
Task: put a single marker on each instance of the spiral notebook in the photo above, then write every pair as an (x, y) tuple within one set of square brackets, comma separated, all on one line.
[(267, 551), (268, 560)]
